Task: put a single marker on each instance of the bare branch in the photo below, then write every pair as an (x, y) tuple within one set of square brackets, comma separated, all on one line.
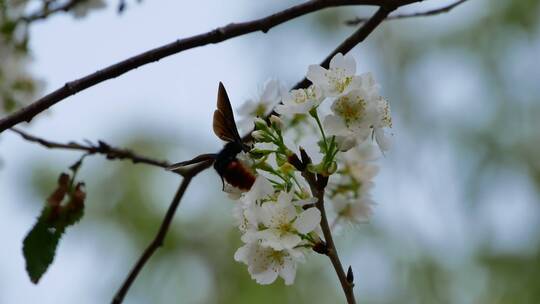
[(101, 148), (318, 185), (444, 9), (47, 11), (356, 38), (215, 36), (162, 232)]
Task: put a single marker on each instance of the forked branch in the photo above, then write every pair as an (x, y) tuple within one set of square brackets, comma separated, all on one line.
[(433, 12)]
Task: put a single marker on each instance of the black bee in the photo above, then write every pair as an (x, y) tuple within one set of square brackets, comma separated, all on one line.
[(229, 168)]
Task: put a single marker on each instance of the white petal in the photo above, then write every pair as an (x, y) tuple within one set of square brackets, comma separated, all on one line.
[(308, 220), (241, 255), (266, 277), (308, 201), (355, 85), (246, 108), (288, 241), (288, 271), (285, 198), (336, 61), (345, 143), (349, 64), (316, 74), (346, 63), (333, 125), (382, 140), (260, 189), (271, 91)]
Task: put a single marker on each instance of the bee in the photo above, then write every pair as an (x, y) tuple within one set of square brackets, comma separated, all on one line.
[(226, 163)]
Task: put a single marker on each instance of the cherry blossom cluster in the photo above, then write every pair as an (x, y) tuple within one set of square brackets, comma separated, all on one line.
[(279, 217)]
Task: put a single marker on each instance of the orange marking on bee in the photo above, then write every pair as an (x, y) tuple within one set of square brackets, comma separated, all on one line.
[(239, 176)]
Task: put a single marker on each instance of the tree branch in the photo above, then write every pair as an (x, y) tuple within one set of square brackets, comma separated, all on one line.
[(356, 38), (46, 11), (317, 185), (102, 148), (215, 36), (162, 232), (444, 9)]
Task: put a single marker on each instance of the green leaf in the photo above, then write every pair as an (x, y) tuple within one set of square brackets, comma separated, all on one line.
[(39, 248), (63, 208)]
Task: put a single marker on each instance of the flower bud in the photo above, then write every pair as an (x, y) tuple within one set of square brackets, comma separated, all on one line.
[(260, 136), (332, 168), (280, 159), (320, 247), (276, 121), (263, 165), (259, 153), (260, 124), (350, 275)]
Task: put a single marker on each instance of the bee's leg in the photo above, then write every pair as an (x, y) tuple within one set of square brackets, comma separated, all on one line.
[(222, 184)]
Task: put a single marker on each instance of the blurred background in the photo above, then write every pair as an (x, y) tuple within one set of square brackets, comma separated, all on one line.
[(458, 213)]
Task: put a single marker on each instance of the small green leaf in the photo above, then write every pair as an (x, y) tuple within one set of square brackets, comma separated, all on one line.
[(63, 208), (39, 248)]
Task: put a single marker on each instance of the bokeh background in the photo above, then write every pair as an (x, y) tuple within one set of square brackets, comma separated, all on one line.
[(458, 213)]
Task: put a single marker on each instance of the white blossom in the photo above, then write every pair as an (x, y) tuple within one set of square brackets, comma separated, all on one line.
[(284, 224), (380, 113), (260, 106), (247, 211), (265, 264), (358, 114), (349, 119), (355, 210), (359, 163), (300, 101), (339, 79)]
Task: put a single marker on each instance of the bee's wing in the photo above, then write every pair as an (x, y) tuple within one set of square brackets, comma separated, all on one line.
[(223, 124)]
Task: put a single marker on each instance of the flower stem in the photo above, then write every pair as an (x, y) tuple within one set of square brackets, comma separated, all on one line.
[(315, 115)]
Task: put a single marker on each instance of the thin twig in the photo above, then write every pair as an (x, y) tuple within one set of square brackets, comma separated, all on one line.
[(46, 11), (215, 36), (162, 232), (101, 148), (444, 9)]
